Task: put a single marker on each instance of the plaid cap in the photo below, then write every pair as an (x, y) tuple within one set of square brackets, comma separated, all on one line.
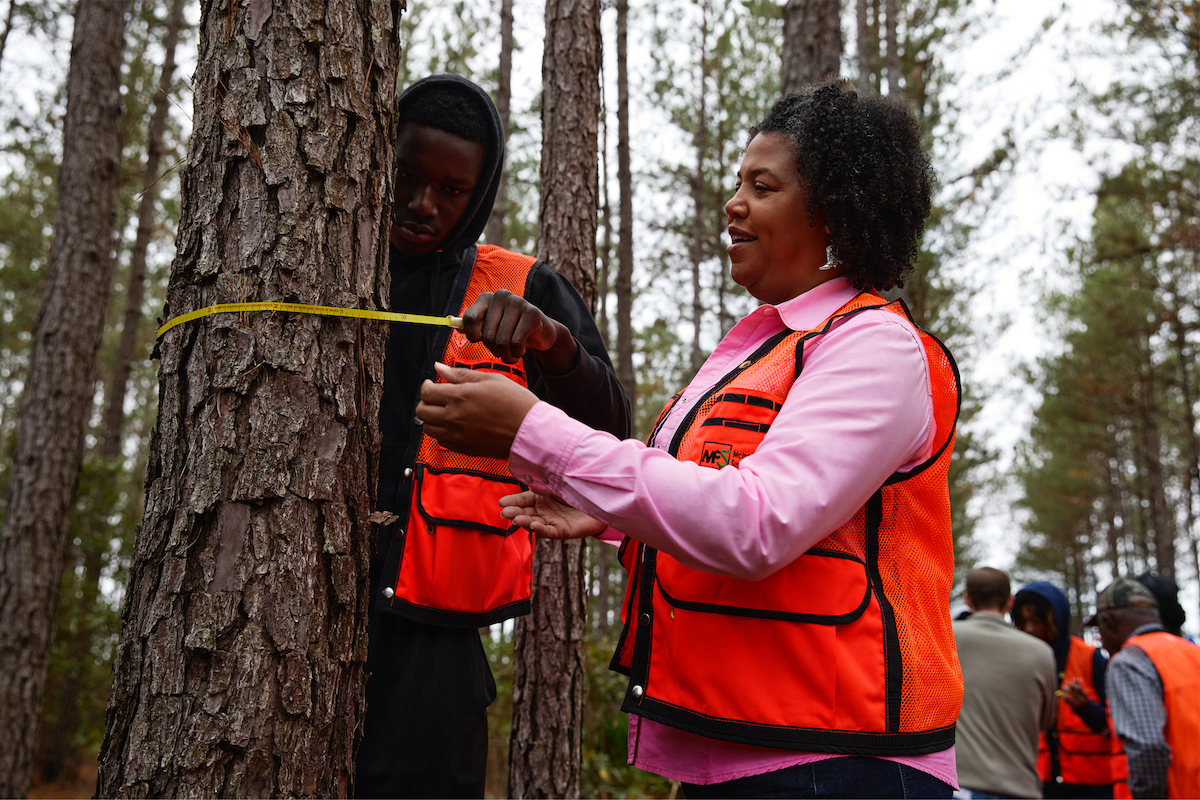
[(1122, 593)]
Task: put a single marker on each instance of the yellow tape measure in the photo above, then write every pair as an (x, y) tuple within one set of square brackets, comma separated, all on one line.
[(300, 308)]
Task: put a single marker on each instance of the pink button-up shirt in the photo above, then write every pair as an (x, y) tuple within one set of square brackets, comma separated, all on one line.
[(860, 411)]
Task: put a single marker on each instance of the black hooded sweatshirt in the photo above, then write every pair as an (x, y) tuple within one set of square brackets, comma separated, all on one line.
[(436, 283)]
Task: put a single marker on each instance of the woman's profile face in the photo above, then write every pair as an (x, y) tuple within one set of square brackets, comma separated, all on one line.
[(776, 253)]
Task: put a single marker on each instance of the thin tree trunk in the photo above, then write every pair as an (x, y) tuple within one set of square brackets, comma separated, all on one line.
[(864, 48), (495, 224), (548, 678), (697, 245), (893, 48), (1164, 526), (240, 670), (624, 282), (58, 389), (812, 42), (114, 416), (602, 281), (8, 26)]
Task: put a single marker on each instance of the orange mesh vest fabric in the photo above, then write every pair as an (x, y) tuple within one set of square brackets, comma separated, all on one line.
[(463, 564), (849, 649), (1178, 665), (1084, 756)]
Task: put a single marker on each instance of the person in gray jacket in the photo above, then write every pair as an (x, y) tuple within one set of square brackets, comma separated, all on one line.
[(1009, 682)]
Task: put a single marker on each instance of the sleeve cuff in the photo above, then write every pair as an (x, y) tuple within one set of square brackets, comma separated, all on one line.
[(543, 447)]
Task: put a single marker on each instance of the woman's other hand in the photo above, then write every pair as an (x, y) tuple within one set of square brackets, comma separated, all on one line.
[(476, 413), (548, 516)]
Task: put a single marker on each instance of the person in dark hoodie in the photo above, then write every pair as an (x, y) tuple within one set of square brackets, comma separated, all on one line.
[(1075, 758), (447, 563)]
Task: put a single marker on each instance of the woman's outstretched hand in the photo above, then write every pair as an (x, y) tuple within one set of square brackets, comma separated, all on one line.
[(548, 516)]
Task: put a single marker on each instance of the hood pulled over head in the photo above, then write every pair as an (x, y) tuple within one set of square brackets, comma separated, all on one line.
[(1062, 617), (474, 219)]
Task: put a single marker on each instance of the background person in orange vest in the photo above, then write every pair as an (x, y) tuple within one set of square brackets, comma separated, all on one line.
[(787, 526), (1075, 757), (425, 729), (1153, 693), (1009, 685)]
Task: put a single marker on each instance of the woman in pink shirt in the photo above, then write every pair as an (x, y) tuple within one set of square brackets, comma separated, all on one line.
[(786, 527)]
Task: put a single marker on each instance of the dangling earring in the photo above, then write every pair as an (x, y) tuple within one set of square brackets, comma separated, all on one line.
[(830, 259)]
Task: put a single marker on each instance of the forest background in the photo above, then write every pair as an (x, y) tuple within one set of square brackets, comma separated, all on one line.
[(1060, 266)]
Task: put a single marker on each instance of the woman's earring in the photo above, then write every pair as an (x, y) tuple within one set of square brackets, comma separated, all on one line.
[(830, 259)]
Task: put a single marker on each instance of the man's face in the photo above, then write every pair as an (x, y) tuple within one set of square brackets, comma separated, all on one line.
[(1108, 621), (1028, 621), (436, 175)]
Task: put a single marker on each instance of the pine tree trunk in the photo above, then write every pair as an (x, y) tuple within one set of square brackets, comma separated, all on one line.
[(548, 679), (864, 48), (114, 415), (812, 42), (8, 26), (893, 48), (624, 283), (240, 667), (495, 224), (58, 390), (697, 244)]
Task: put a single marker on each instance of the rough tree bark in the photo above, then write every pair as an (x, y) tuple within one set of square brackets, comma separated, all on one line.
[(240, 667), (812, 42), (548, 680), (114, 415), (58, 389), (623, 285), (495, 224)]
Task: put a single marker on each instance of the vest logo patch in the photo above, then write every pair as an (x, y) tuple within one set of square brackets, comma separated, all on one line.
[(719, 454)]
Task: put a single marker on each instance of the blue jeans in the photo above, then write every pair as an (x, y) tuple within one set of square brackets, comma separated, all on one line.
[(851, 776)]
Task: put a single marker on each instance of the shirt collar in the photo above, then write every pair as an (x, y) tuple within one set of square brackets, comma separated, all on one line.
[(806, 311)]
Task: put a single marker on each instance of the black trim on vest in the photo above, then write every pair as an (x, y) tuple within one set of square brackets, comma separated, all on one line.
[(615, 663), (749, 400), (458, 619), (791, 738), (782, 616), (725, 422), (893, 660), (686, 423), (917, 470), (640, 673)]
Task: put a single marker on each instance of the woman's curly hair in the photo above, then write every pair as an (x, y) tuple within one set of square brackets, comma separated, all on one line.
[(862, 164)]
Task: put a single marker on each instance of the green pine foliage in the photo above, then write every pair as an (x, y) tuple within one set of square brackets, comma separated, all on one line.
[(1111, 473)]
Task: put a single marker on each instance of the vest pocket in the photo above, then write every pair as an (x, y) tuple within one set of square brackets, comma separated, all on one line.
[(460, 555), (463, 499), (822, 587)]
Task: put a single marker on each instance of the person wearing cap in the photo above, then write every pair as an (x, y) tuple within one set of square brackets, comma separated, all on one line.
[(1075, 756), (1153, 684), (1009, 683), (1166, 592), (446, 562)]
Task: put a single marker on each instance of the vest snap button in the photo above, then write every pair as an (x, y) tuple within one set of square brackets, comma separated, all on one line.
[(417, 421), (408, 472), (398, 533), (645, 619), (389, 593), (637, 691)]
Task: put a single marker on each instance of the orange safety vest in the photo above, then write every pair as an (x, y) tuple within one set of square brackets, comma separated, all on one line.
[(1084, 756), (464, 565), (848, 649), (1178, 663)]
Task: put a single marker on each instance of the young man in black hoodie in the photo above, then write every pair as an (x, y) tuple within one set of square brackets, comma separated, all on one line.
[(449, 563)]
